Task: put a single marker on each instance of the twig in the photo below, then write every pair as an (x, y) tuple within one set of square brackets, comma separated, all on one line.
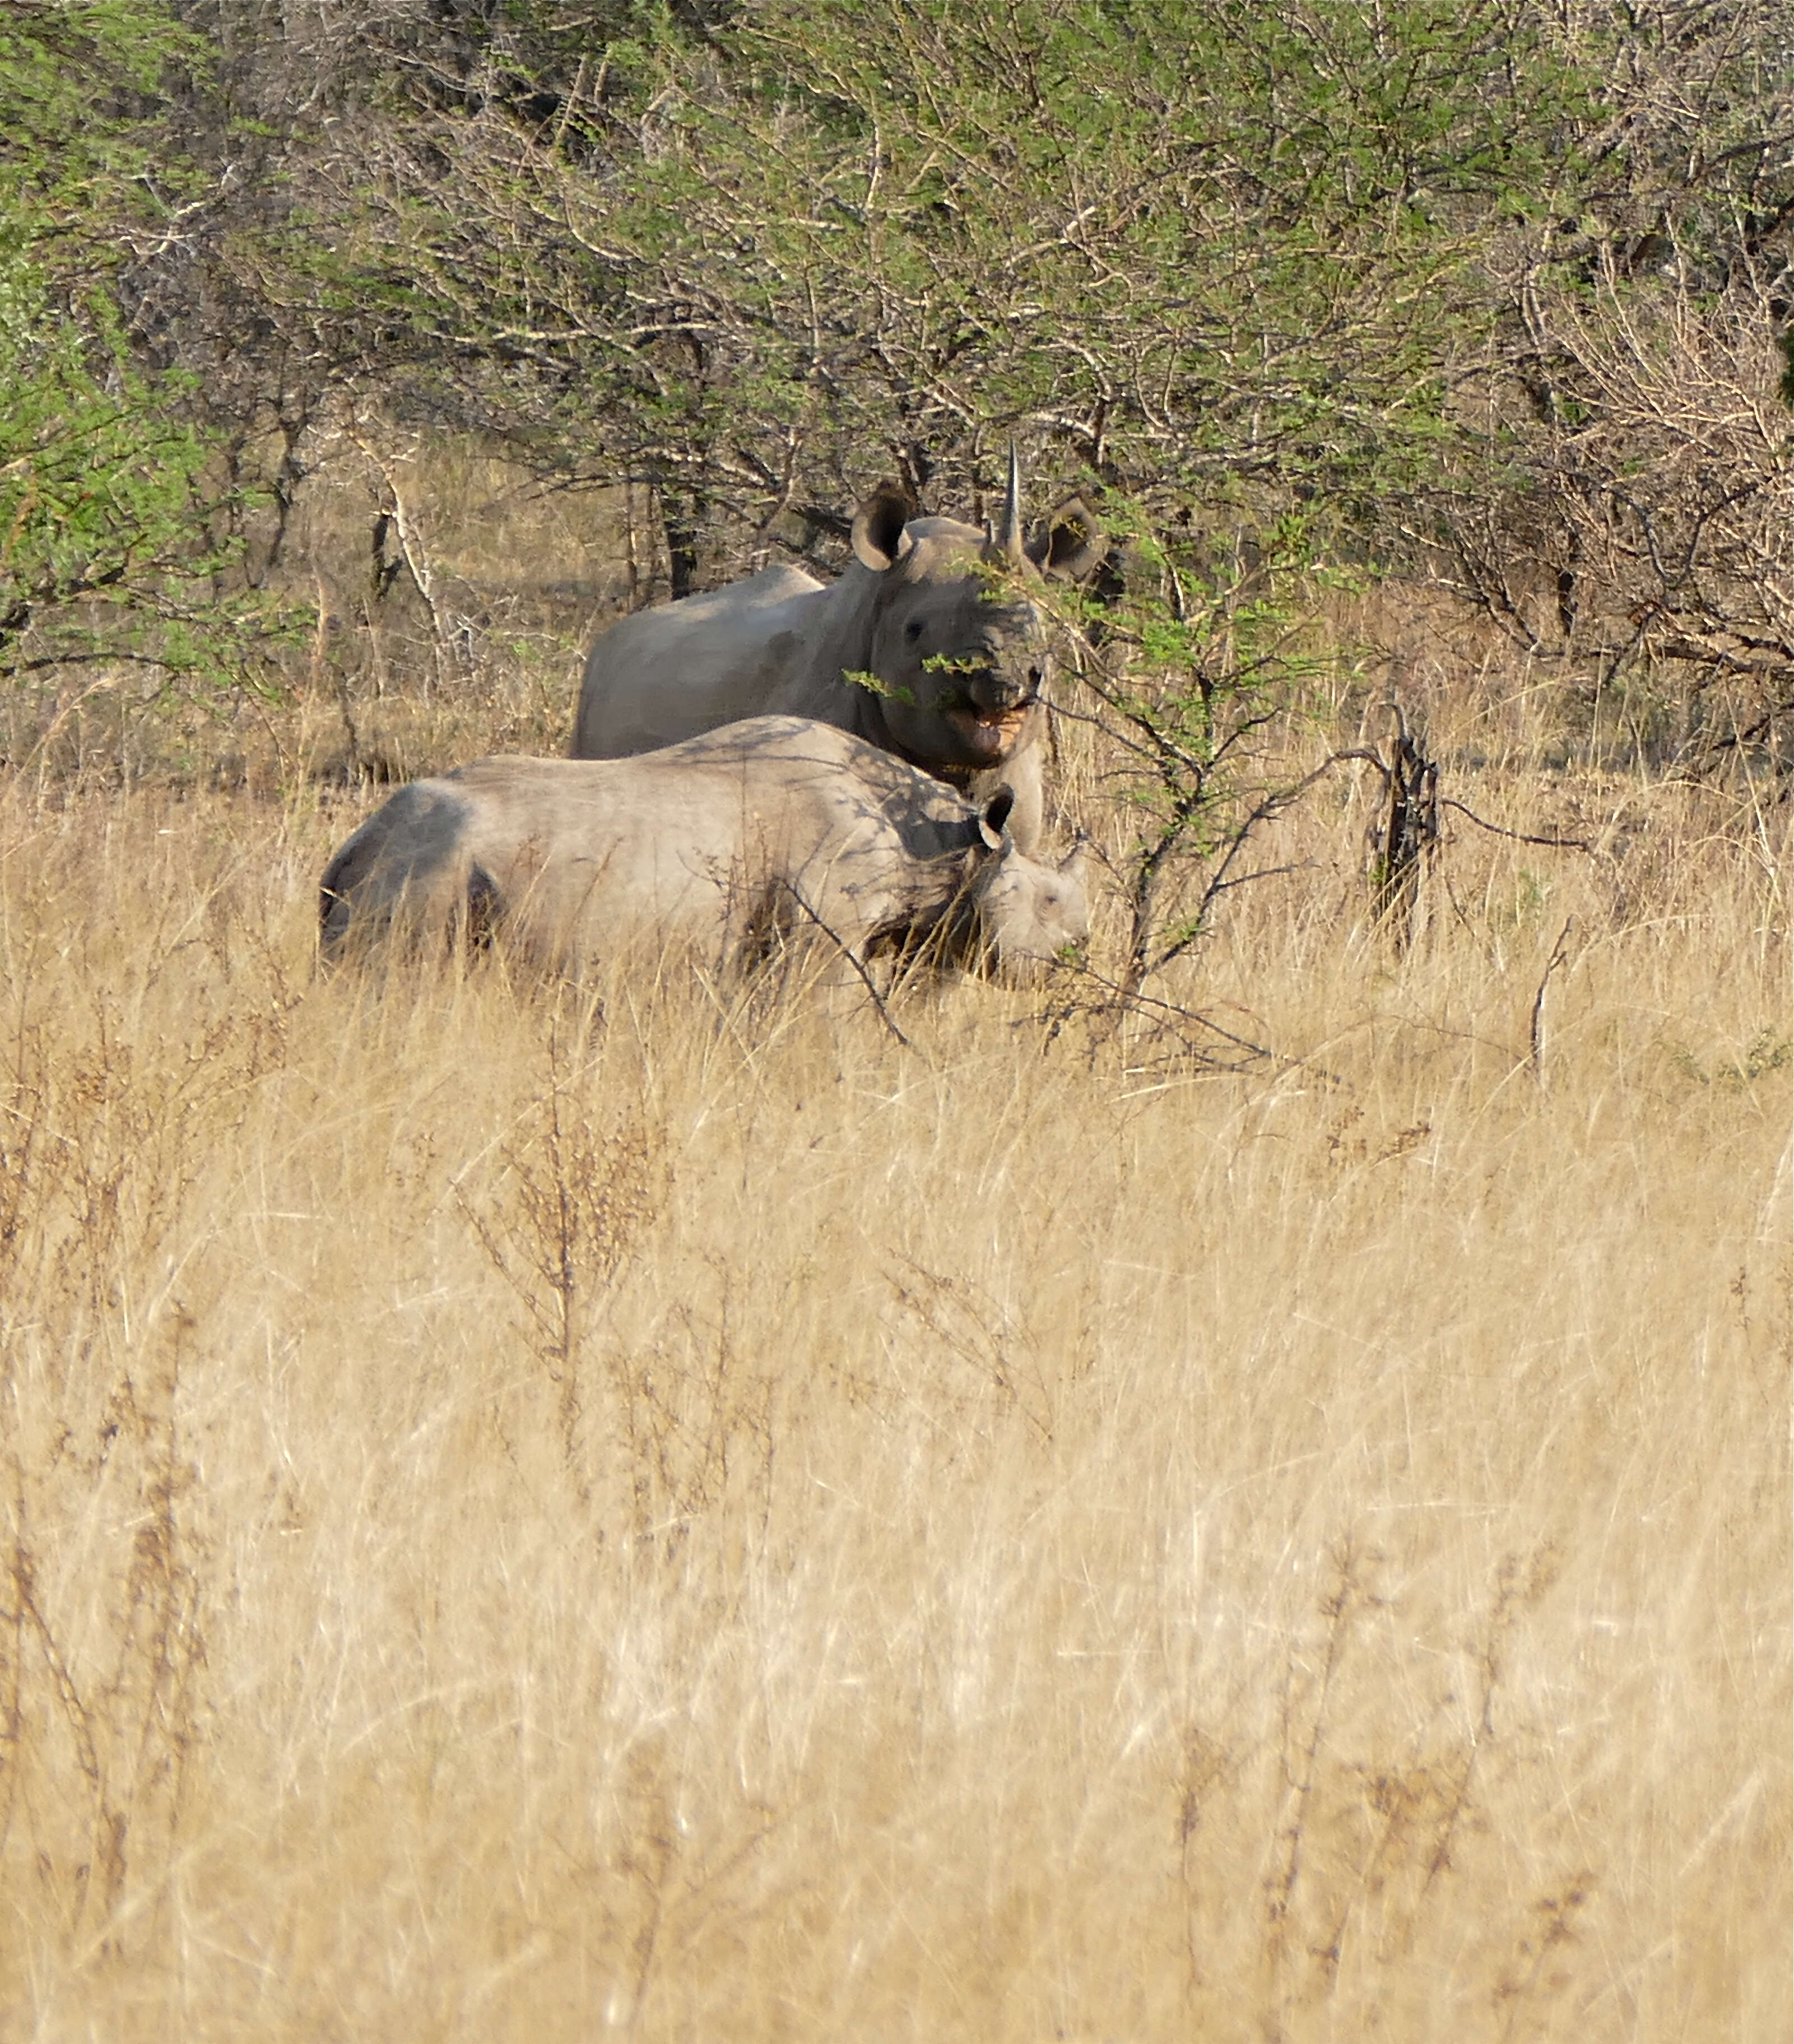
[(1266, 810), (846, 952), (1538, 1031), (412, 550), (1167, 1014), (1519, 837)]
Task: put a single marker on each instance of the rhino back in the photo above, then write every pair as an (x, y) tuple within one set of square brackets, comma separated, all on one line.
[(836, 780), (776, 818), (670, 672), (773, 821), (584, 854), (868, 839), (686, 845)]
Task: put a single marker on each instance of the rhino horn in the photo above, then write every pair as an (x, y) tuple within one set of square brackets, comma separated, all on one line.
[(1009, 531)]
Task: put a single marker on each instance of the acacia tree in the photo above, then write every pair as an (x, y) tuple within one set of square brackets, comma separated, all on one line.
[(1174, 252), (1483, 293), (1210, 264), (108, 483)]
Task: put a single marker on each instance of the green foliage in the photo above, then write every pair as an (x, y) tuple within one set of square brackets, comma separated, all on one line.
[(1186, 667), (108, 497), (1222, 251), (78, 78), (1216, 265), (1200, 247), (874, 684), (1479, 293)]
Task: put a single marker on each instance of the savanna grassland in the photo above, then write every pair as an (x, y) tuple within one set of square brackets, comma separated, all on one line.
[(535, 1511), (1241, 1494)]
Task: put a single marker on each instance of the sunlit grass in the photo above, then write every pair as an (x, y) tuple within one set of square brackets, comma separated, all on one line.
[(1022, 1536)]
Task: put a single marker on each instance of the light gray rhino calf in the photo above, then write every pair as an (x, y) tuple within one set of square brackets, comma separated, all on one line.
[(777, 830), (940, 614)]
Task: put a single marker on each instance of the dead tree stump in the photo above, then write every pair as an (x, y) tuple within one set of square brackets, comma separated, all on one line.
[(1404, 837)]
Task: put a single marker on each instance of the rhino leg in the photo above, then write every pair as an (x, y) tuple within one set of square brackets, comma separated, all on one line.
[(483, 911)]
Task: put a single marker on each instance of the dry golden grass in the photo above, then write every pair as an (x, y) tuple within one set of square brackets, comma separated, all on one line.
[(1014, 1539)]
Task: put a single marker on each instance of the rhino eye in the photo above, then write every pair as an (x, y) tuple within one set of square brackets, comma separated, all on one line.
[(912, 631)]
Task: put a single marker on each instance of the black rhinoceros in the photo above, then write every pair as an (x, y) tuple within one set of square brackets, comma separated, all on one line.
[(930, 647), (771, 831)]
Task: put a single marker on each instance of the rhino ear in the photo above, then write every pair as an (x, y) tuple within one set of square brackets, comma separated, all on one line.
[(879, 539), (993, 822), (1072, 866), (1071, 544)]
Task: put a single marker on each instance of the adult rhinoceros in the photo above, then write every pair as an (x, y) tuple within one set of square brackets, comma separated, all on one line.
[(775, 830), (938, 614)]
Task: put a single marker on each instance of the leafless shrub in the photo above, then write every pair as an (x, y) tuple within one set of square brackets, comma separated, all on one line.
[(1621, 505), (565, 1216)]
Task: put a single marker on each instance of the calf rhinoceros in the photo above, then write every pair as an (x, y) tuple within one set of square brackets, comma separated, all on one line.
[(761, 833), (938, 614)]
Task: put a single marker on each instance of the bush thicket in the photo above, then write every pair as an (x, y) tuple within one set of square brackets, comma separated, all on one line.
[(1492, 297)]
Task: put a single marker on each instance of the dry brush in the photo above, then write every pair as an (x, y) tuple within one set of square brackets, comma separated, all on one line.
[(661, 1508)]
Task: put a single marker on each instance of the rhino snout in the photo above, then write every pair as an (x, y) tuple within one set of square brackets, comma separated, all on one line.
[(994, 689)]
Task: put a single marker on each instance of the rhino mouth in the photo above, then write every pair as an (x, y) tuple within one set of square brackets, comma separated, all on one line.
[(990, 733)]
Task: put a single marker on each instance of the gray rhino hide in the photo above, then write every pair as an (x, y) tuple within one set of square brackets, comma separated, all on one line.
[(938, 614), (772, 830)]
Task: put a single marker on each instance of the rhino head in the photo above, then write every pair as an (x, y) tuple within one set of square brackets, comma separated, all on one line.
[(957, 647), (1023, 914)]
